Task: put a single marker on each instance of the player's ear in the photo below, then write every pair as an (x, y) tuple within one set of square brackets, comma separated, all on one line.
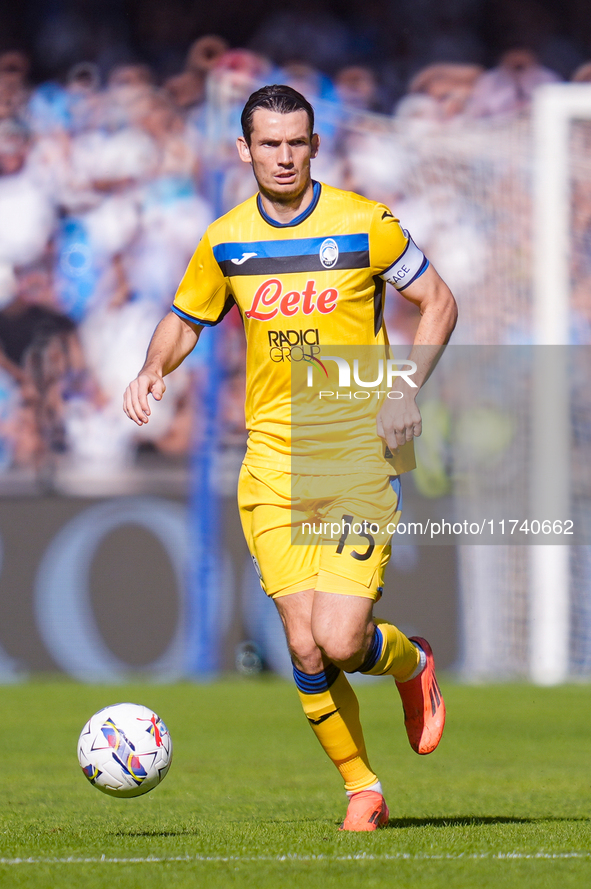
[(243, 150), (315, 144)]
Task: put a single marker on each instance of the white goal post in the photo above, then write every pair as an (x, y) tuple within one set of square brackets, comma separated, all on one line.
[(555, 107)]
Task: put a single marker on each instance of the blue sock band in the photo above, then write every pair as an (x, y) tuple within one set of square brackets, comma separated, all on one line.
[(311, 684), (375, 650)]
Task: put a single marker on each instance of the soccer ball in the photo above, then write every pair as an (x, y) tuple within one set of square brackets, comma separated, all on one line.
[(125, 750)]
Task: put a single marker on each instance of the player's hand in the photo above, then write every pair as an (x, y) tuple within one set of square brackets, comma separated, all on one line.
[(135, 399), (399, 420)]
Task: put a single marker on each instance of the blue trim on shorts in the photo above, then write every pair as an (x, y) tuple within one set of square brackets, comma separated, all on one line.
[(312, 684)]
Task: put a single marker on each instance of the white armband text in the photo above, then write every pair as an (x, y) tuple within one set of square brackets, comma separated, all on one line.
[(408, 267)]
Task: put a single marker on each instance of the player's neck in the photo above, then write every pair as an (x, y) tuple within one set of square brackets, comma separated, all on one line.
[(287, 209)]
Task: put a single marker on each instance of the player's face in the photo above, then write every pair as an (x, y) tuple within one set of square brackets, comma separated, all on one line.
[(280, 151)]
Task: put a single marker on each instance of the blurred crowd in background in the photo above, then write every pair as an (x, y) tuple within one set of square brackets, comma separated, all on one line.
[(115, 154)]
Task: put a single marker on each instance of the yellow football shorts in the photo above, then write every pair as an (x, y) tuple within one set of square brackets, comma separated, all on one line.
[(329, 533)]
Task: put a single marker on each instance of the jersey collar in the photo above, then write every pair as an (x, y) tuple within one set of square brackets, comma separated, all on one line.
[(307, 212)]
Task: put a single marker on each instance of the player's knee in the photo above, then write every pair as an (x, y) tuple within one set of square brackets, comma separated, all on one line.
[(340, 647), (304, 652)]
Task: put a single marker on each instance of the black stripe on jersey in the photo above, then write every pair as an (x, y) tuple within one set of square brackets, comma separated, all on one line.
[(282, 265), (378, 304)]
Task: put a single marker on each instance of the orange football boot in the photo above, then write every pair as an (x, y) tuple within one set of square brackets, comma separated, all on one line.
[(422, 701), (367, 810)]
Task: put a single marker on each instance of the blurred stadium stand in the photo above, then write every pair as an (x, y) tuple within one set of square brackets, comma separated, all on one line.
[(117, 130)]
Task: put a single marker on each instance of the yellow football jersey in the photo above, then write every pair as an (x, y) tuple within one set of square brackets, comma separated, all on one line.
[(300, 287)]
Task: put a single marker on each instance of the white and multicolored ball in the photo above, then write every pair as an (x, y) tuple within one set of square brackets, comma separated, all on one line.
[(125, 750)]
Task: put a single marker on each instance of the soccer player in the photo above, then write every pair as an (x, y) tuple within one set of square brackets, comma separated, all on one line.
[(306, 263)]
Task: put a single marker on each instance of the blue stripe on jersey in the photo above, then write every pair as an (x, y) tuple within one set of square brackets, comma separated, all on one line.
[(240, 252)]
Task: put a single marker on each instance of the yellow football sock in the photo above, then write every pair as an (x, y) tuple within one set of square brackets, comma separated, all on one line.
[(397, 656), (334, 717)]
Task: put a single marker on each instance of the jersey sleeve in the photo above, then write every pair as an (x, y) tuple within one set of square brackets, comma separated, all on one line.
[(204, 295), (393, 254)]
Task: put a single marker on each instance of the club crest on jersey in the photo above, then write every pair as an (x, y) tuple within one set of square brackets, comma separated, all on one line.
[(329, 253)]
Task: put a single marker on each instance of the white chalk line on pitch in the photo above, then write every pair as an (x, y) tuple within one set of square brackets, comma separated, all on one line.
[(256, 859)]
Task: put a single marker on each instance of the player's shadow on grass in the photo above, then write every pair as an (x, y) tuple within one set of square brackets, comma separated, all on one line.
[(456, 821), (154, 832), (476, 820)]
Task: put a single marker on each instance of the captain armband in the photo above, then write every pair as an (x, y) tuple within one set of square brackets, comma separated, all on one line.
[(408, 267)]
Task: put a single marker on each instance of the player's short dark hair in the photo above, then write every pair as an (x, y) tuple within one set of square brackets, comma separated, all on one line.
[(279, 98)]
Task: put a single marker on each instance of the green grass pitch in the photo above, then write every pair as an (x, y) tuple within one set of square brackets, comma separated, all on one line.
[(250, 800)]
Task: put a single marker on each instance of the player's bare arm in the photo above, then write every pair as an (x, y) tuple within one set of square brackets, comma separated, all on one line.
[(399, 420), (171, 342)]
